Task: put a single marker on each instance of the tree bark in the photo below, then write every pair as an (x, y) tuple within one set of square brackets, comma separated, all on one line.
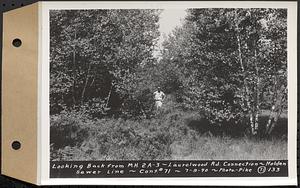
[(108, 97), (271, 116), (277, 110), (257, 106), (247, 96), (93, 80), (86, 82), (74, 71)]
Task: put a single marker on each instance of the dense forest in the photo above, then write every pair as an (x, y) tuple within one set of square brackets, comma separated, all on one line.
[(224, 72)]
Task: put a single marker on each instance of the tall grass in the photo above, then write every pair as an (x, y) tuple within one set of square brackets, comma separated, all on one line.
[(227, 148), (167, 136)]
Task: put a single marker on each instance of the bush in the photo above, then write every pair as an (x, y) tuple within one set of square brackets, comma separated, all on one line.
[(170, 135), (68, 129), (72, 138)]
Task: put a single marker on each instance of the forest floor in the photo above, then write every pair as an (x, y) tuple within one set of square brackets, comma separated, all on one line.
[(167, 136)]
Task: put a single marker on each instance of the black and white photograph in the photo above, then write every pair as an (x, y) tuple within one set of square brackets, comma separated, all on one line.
[(168, 84)]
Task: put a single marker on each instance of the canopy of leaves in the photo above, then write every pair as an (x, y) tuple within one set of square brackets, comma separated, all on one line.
[(223, 55), (97, 58)]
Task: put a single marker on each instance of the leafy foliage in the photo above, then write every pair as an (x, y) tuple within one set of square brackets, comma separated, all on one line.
[(231, 63), (97, 57)]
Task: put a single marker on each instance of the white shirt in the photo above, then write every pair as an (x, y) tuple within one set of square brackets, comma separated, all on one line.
[(159, 96)]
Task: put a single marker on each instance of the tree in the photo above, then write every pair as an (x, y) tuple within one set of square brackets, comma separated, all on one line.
[(93, 54), (233, 63)]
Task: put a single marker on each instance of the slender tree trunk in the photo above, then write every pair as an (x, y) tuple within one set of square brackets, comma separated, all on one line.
[(74, 71), (93, 80), (86, 82), (257, 106), (271, 116), (108, 97), (276, 117), (252, 124), (247, 93), (276, 110), (256, 123)]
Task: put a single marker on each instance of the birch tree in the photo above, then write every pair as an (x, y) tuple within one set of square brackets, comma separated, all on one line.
[(235, 62)]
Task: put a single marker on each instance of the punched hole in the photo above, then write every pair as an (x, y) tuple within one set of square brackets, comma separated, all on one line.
[(16, 145), (17, 43)]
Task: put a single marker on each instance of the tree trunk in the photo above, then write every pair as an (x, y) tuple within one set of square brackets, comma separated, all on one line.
[(108, 97), (272, 113), (276, 110), (276, 117), (247, 93), (74, 72), (252, 123), (86, 83), (271, 116), (257, 106), (93, 80)]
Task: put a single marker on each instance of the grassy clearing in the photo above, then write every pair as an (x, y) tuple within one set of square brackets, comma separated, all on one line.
[(166, 137)]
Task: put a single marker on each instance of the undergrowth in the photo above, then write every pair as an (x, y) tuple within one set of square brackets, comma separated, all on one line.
[(75, 136)]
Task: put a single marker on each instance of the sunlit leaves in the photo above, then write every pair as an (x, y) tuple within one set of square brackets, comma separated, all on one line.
[(206, 50), (96, 53)]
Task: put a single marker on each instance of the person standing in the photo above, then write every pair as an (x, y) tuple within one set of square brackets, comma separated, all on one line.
[(159, 97)]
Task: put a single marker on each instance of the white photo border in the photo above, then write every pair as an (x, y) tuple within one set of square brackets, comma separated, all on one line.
[(43, 100)]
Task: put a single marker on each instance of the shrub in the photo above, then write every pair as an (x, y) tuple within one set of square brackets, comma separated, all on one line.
[(68, 129), (170, 135)]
